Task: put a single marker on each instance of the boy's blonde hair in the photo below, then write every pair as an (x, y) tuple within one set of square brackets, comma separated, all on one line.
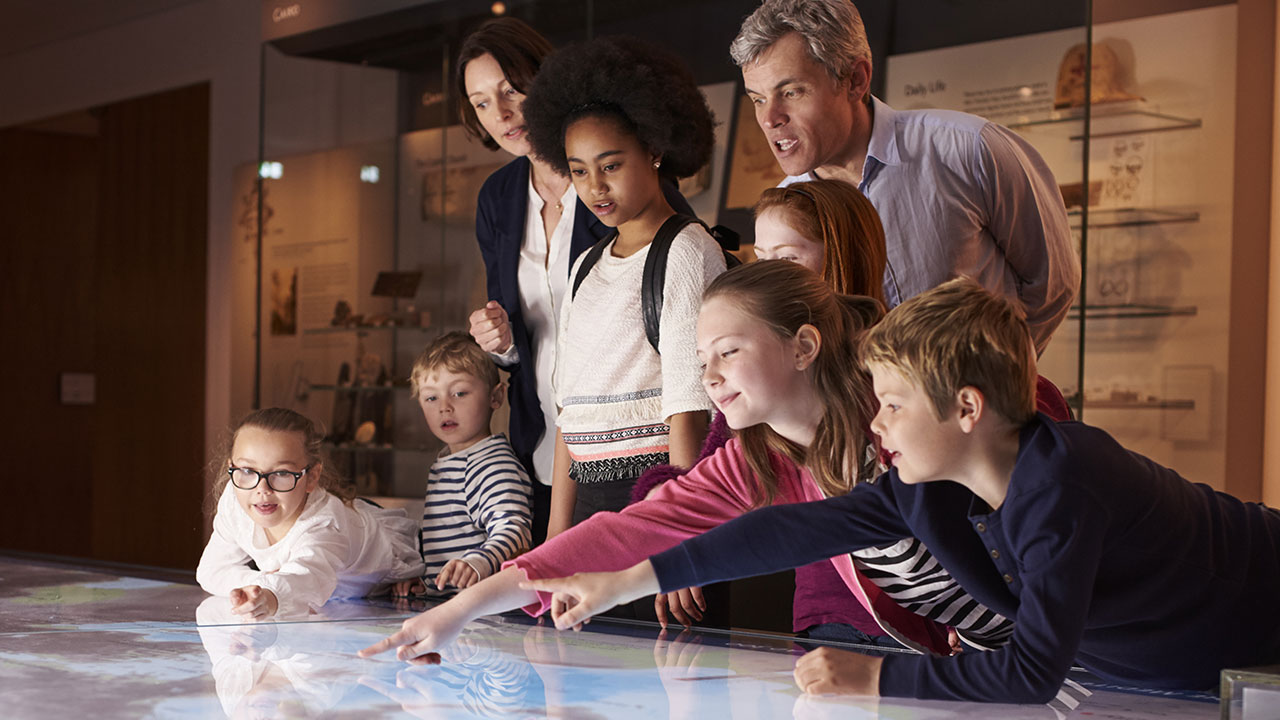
[(956, 335), (456, 352)]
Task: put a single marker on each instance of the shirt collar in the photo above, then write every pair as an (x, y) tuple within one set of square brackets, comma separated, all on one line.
[(443, 452), (883, 146)]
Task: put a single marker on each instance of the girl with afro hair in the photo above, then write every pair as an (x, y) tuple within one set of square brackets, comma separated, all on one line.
[(618, 117), (530, 226)]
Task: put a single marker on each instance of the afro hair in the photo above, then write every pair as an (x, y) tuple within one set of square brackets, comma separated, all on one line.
[(650, 91)]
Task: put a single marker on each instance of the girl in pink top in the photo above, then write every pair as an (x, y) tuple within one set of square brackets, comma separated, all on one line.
[(764, 364), (829, 227)]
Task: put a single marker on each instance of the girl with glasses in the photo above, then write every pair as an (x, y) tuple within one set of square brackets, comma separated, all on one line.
[(288, 535)]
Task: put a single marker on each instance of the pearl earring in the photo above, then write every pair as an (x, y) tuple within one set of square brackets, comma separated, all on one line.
[(657, 164)]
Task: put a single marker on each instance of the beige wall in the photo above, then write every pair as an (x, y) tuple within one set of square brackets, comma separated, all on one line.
[(214, 41), (1271, 455)]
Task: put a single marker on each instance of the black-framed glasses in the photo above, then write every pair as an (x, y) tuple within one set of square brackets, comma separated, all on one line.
[(281, 481)]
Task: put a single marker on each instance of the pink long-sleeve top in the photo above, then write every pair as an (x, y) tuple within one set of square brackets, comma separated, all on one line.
[(820, 595), (715, 491)]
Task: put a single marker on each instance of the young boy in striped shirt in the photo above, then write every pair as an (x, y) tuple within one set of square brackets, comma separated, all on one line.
[(476, 512)]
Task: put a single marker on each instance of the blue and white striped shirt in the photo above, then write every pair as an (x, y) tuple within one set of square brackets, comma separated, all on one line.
[(476, 508)]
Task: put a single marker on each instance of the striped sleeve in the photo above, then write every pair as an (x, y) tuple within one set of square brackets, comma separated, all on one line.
[(498, 493)]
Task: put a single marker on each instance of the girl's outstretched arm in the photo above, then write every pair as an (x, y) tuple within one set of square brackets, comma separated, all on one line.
[(579, 597), (422, 636)]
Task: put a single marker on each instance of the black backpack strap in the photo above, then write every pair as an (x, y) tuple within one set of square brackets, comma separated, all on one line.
[(726, 237), (655, 274), (589, 260)]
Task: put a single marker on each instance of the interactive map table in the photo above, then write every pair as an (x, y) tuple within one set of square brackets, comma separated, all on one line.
[(87, 643)]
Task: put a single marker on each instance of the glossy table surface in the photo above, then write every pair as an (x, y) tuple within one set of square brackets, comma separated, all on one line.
[(93, 643)]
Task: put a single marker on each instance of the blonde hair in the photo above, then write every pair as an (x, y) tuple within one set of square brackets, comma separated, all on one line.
[(785, 296), (960, 335), (282, 420), (457, 352), (837, 215)]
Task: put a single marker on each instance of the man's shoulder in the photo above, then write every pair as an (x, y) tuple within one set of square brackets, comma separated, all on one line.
[(948, 135), (939, 120)]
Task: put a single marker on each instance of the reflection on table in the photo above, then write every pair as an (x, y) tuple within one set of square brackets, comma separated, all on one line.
[(83, 642)]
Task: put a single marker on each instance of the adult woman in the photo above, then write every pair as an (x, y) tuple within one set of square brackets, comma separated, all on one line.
[(530, 226)]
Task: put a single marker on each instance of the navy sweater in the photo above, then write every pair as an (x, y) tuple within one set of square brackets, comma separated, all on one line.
[(1100, 555)]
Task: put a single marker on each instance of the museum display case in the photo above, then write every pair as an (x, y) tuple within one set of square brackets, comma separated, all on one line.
[(366, 190), (1141, 145), (367, 184)]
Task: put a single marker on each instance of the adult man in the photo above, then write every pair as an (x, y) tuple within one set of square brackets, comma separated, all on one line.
[(957, 194)]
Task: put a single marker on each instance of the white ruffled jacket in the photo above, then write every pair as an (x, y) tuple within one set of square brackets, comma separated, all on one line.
[(332, 550)]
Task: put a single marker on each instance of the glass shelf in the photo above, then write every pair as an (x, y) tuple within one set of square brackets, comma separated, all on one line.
[(359, 388), (1132, 310), (1130, 217), (1108, 120), (1140, 404), (1150, 403), (360, 329)]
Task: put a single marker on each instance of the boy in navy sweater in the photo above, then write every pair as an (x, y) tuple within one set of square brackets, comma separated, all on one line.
[(1102, 556)]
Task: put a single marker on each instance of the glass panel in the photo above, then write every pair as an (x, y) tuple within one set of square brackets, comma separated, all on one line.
[(1013, 71), (1142, 153), (368, 247), (376, 175), (1161, 163), (329, 318)]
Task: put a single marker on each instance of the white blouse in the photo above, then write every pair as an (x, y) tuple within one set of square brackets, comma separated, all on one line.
[(543, 277)]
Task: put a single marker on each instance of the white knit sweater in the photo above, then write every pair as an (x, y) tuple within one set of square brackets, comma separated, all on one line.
[(615, 391)]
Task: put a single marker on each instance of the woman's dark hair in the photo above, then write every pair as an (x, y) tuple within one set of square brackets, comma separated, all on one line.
[(647, 90), (519, 50)]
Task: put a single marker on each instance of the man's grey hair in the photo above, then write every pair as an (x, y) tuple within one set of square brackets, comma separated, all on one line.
[(832, 29)]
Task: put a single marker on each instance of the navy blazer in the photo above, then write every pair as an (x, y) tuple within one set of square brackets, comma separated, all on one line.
[(501, 210)]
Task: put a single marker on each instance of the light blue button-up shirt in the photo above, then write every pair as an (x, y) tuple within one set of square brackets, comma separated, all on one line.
[(959, 195)]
